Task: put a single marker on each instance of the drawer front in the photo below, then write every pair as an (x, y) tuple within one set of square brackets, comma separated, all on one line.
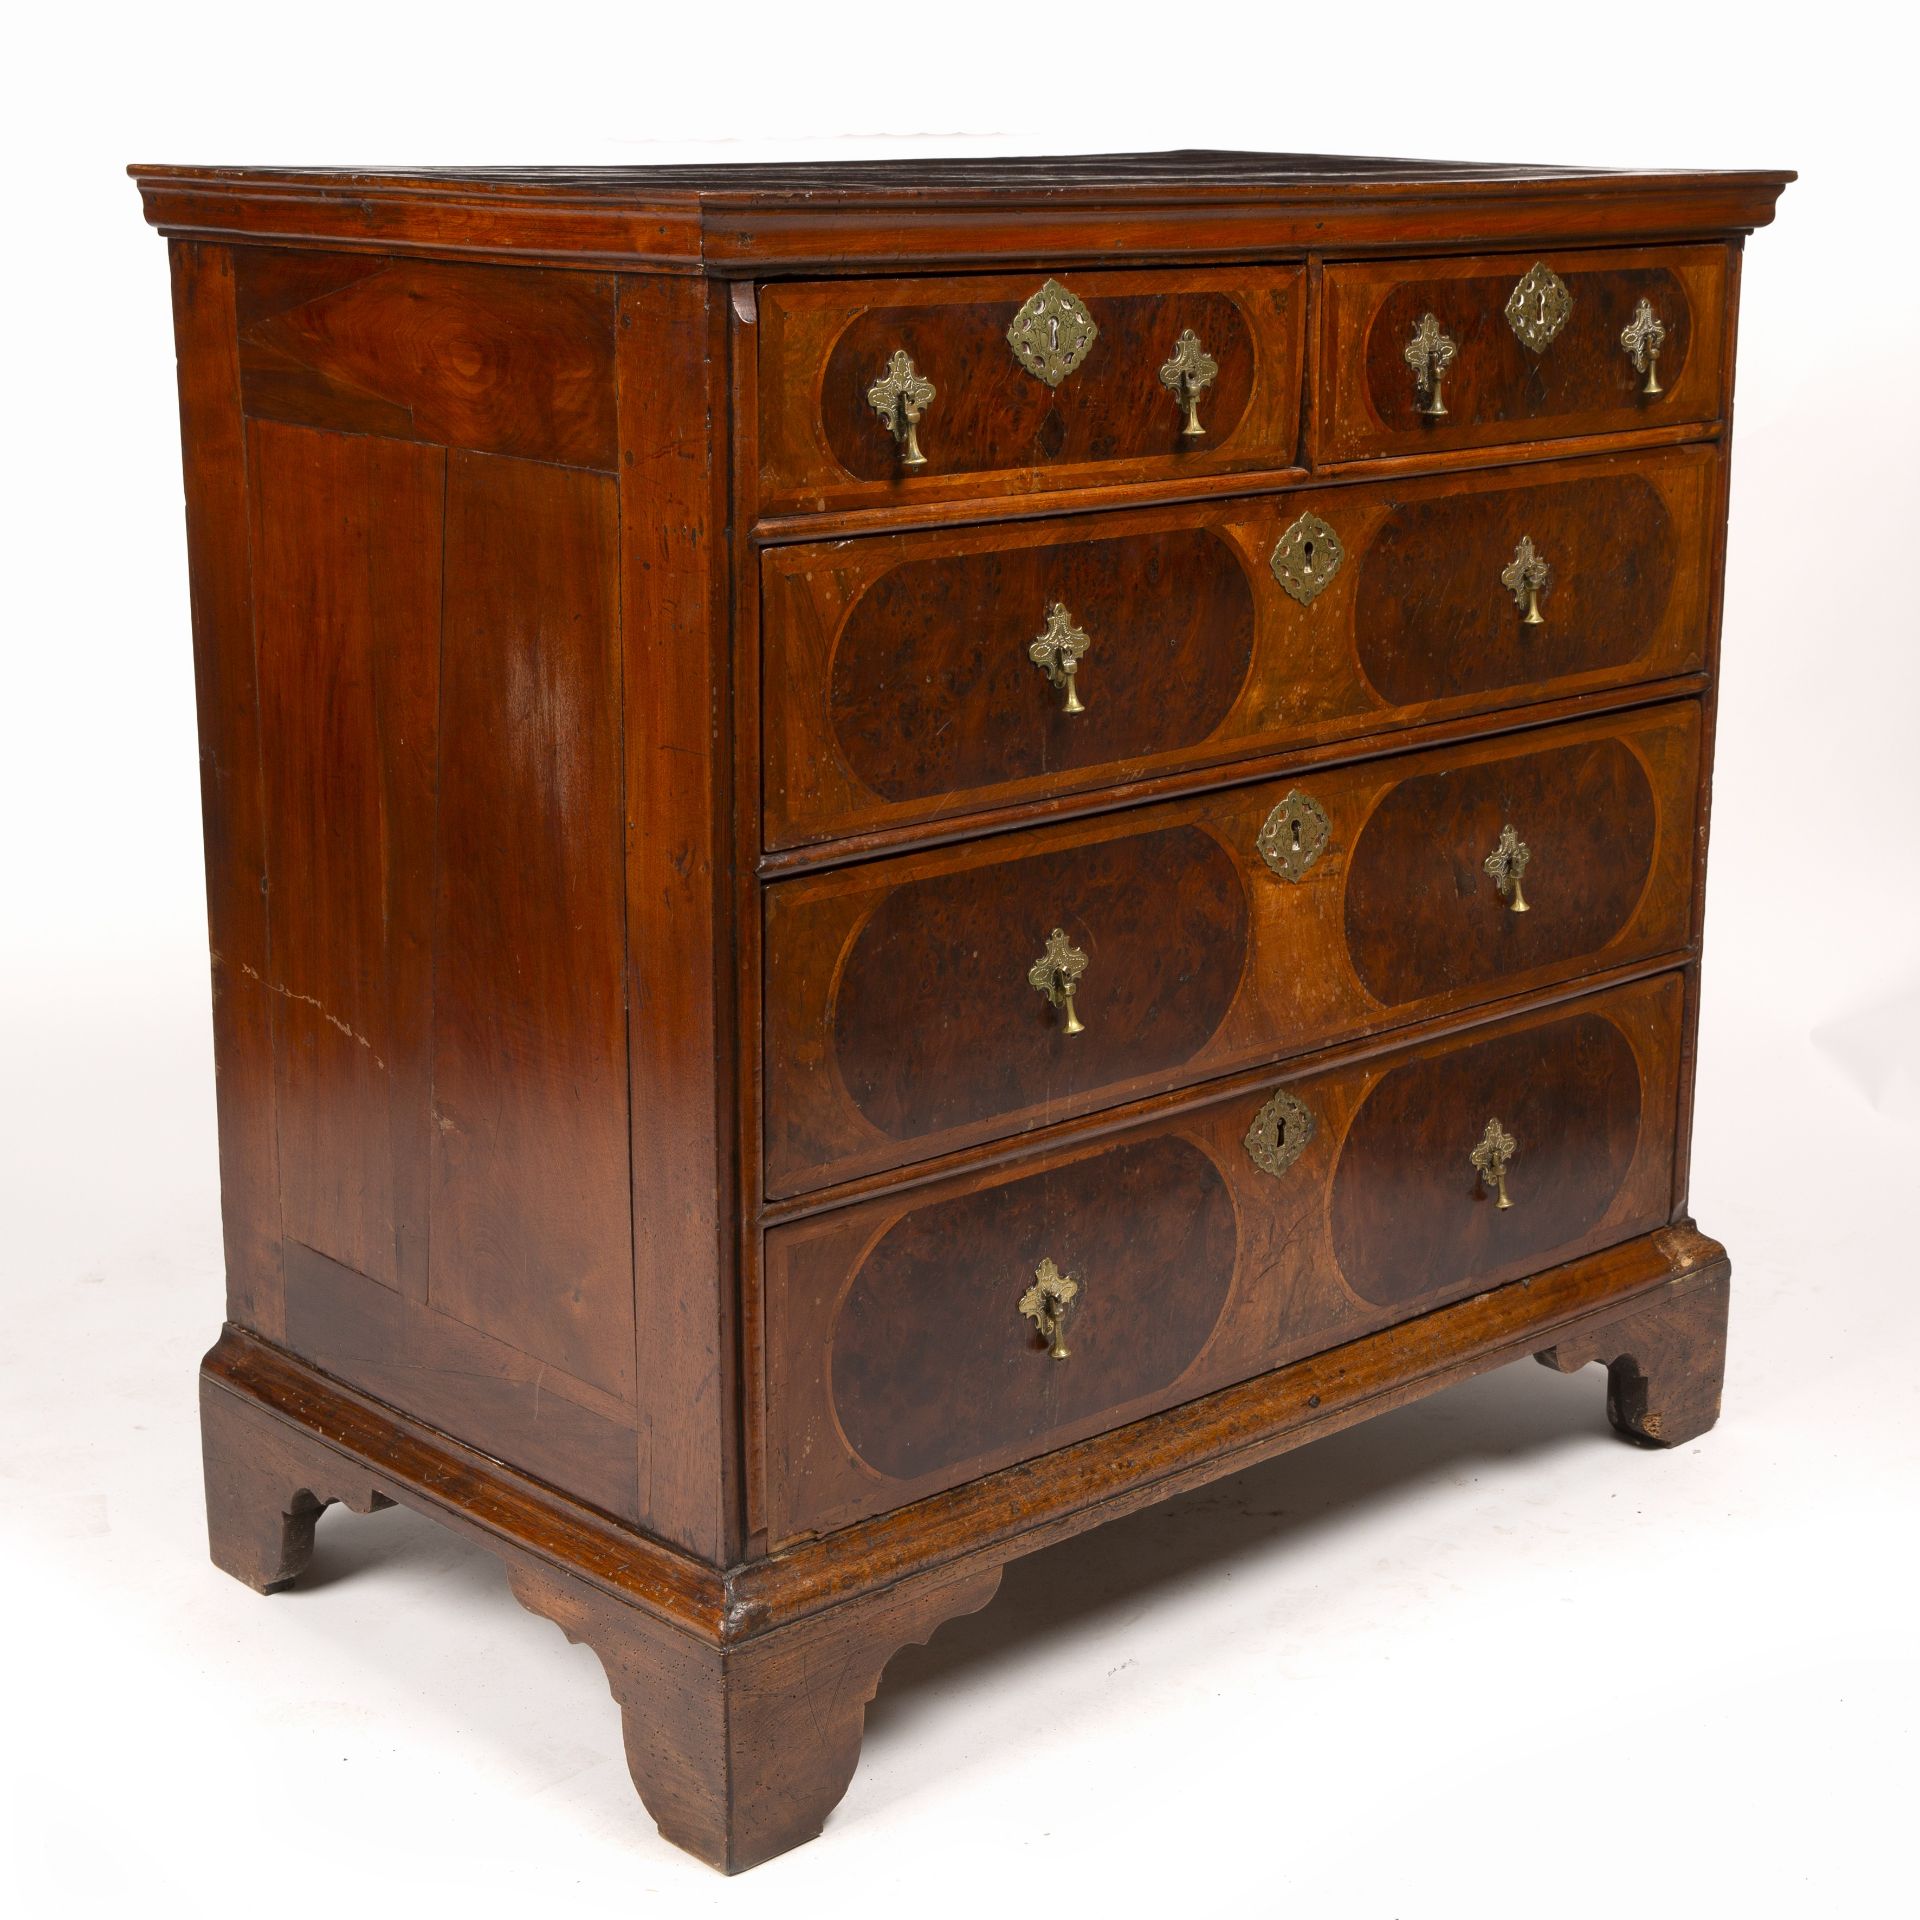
[(1521, 347), (918, 1005), (901, 1361), (1081, 400), (902, 684)]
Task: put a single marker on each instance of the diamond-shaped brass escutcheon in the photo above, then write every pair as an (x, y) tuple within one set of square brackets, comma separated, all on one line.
[(1052, 333), (1295, 835), (1308, 556), (1538, 306), (1281, 1132)]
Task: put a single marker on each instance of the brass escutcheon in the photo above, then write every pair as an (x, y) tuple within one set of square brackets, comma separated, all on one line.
[(1538, 306), (1191, 370), (1307, 557), (1429, 353), (1058, 653), (1526, 576), (1294, 835), (1057, 974), (1642, 338), (1490, 1157), (899, 397), (1506, 863), (1281, 1132), (1052, 333), (1047, 1303)]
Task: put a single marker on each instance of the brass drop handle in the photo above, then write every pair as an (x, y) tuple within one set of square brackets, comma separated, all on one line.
[(1430, 353), (1497, 1146), (1642, 338), (1189, 373), (1047, 1303), (1058, 653), (1526, 576), (899, 397), (1506, 864), (1057, 974)]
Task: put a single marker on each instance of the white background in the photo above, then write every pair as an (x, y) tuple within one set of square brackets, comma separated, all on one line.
[(1475, 1658)]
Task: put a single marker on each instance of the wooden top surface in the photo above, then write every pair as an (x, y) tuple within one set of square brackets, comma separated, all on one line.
[(855, 215)]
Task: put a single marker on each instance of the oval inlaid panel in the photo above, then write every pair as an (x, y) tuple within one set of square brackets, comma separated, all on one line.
[(1422, 915), (933, 691), (989, 412), (1432, 620), (935, 1026), (1495, 376), (1411, 1220), (933, 1364)]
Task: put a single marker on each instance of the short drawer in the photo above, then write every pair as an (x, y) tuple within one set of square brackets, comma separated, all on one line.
[(920, 1004), (910, 1338), (915, 676), (873, 392), (1423, 355)]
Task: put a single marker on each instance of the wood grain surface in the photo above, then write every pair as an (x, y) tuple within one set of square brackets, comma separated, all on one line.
[(899, 1362), (900, 691), (900, 1022), (1499, 389)]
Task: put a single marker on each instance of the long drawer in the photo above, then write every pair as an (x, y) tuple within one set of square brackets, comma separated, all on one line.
[(1420, 356), (875, 391), (915, 676), (912, 1338), (928, 1002)]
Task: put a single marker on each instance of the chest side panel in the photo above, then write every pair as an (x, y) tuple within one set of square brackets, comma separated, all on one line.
[(433, 531)]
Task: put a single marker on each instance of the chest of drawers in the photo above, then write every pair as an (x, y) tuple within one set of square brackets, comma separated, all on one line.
[(901, 856)]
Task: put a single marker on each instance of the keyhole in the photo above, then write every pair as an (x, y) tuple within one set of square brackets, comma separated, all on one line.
[(1053, 333), (1295, 826), (1306, 551)]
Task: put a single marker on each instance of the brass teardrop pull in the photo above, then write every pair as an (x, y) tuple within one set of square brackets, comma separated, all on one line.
[(1058, 653), (1505, 865), (1047, 1303), (899, 397), (1429, 353), (1642, 338), (1188, 373), (1057, 974), (1527, 576), (1489, 1159)]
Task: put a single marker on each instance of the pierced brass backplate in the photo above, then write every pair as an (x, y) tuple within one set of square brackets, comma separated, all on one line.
[(1295, 835), (1538, 306), (1308, 556), (1052, 333), (1281, 1132)]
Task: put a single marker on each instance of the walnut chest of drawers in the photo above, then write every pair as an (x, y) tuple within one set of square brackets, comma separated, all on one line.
[(903, 855)]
